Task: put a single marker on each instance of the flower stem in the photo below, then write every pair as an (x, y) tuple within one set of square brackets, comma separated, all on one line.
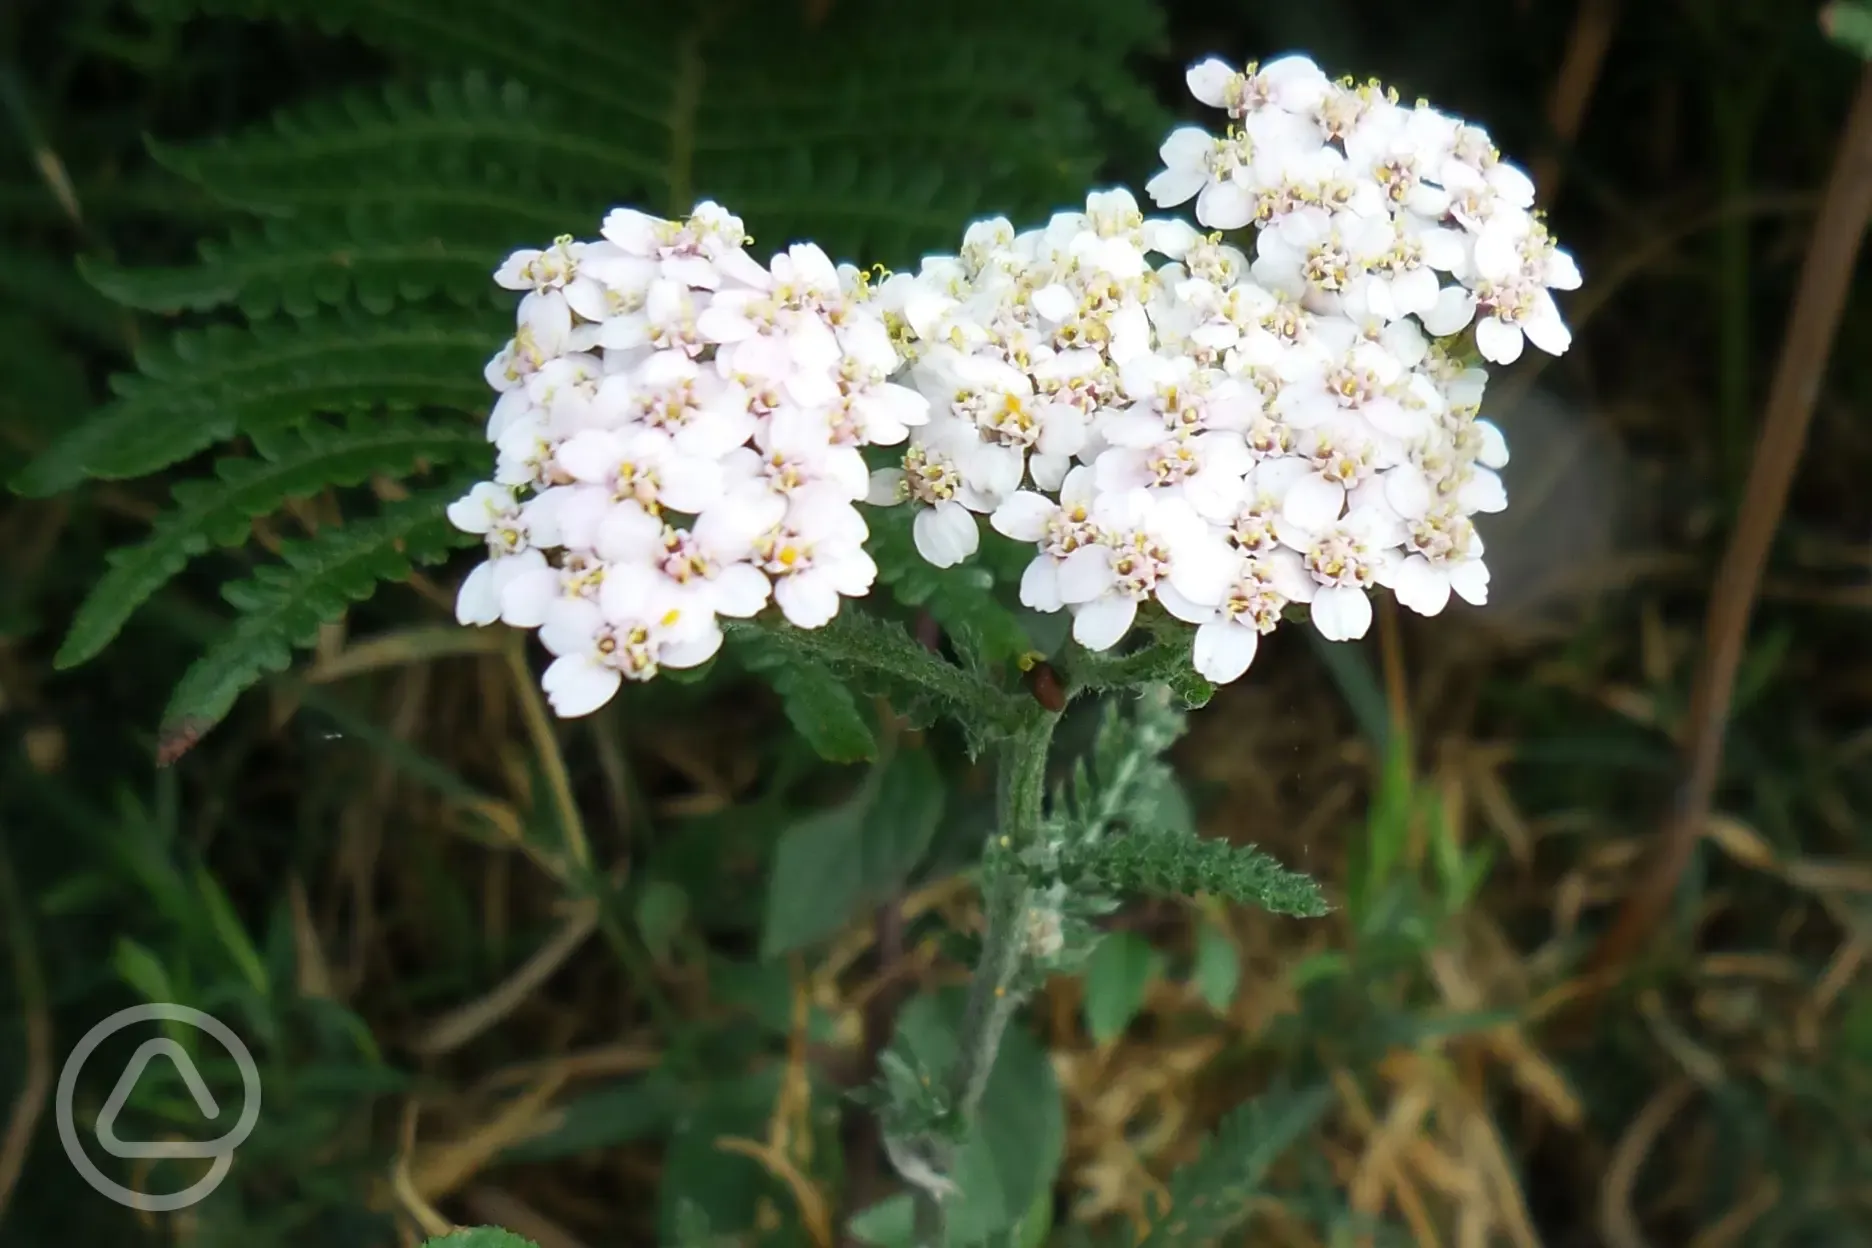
[(993, 995), (1021, 791)]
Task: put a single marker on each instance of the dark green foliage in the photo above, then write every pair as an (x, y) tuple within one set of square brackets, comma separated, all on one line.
[(282, 605), (961, 599), (219, 511), (817, 703), (877, 656), (480, 1237), (1122, 825), (1209, 1196)]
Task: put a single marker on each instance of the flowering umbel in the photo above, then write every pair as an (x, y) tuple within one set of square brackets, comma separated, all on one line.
[(1229, 433), (678, 436), (1226, 434)]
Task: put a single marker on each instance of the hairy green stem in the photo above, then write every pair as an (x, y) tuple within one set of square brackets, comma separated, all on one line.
[(992, 998), (1021, 793)]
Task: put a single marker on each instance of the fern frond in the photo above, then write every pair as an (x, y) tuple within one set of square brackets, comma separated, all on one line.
[(282, 605), (206, 386), (379, 256), (219, 512), (393, 139)]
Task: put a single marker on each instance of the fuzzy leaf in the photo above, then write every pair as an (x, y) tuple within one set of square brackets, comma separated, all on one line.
[(830, 863), (1116, 978), (1174, 864), (817, 703)]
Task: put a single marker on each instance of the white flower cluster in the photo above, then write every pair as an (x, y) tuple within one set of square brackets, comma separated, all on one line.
[(678, 436), (1227, 434), (1223, 431)]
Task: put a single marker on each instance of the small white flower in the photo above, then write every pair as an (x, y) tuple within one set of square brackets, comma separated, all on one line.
[(815, 556), (1445, 554), (536, 270), (639, 628), (1344, 560), (1228, 634), (944, 528), (640, 465), (1059, 528), (1293, 84), (1143, 540)]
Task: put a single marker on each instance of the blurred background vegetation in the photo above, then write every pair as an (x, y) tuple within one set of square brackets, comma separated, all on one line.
[(566, 978)]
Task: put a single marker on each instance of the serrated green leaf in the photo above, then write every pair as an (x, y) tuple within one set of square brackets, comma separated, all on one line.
[(380, 255), (283, 605), (880, 658), (1172, 864), (1116, 978), (293, 464)]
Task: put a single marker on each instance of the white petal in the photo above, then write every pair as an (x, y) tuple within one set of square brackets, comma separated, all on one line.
[(1055, 302), (885, 488), (1039, 587), (1023, 516), (1225, 206), (945, 534), (1341, 613), (1421, 587), (1545, 329), (1483, 492), (1407, 491), (807, 600), (570, 626), (575, 685), (1182, 607), (1494, 450), (1208, 81), (1085, 574), (691, 651), (1455, 308), (740, 590), (525, 599), (1498, 341), (478, 602), (1314, 502), (1224, 650), (1102, 624), (1470, 580)]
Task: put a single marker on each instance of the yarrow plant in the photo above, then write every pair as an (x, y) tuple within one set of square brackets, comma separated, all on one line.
[(1204, 429), (1223, 431)]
